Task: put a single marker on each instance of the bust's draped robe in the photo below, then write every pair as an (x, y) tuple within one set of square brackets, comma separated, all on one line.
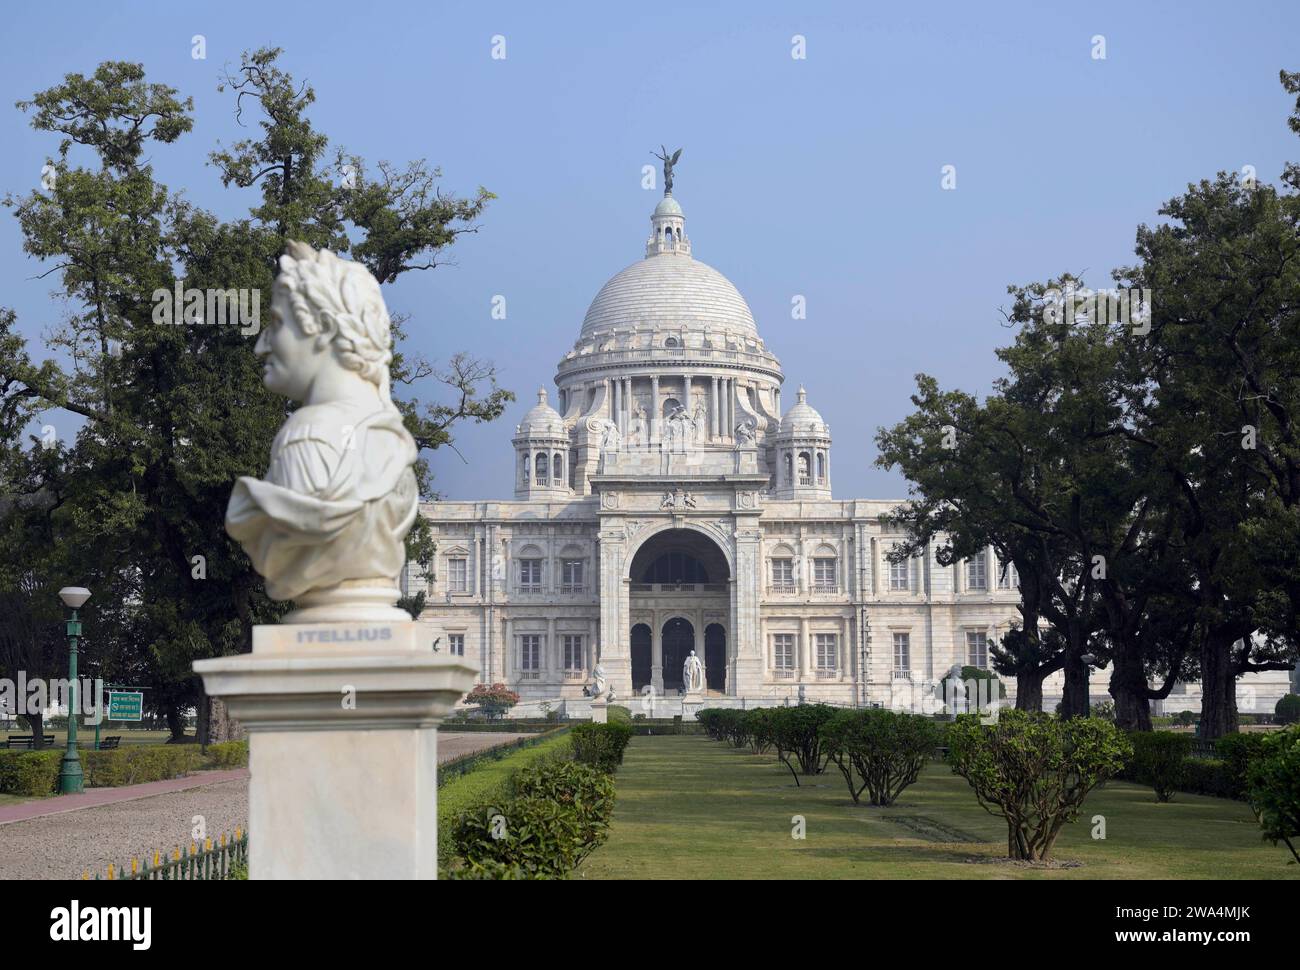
[(335, 505)]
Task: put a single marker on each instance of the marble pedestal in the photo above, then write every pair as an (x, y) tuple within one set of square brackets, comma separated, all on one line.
[(599, 712), (342, 720)]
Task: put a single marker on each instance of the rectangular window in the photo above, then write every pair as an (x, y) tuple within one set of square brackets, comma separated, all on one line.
[(824, 575), (783, 575), (900, 575), (571, 576), (456, 644), (573, 657), (530, 575), (977, 572), (977, 649), (902, 654), (530, 656), (458, 575), (828, 653), (1007, 578), (783, 654)]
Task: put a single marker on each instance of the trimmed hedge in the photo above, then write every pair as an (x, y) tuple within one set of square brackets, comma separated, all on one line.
[(558, 813), (1159, 759), (490, 782), (36, 773), (228, 754), (601, 745), (138, 764), (30, 773)]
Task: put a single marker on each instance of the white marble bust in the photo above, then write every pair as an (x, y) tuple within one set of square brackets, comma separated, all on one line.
[(326, 525)]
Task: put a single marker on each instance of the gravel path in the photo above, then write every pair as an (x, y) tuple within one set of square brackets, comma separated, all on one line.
[(63, 846)]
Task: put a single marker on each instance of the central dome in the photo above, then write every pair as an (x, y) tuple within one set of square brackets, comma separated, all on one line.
[(669, 291)]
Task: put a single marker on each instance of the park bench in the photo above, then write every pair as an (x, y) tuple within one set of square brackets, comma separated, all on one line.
[(111, 742), (26, 740)]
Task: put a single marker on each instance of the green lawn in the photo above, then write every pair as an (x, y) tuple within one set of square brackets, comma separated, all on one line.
[(86, 736), (692, 808)]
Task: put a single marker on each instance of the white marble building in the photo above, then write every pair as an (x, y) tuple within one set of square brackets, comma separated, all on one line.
[(666, 503)]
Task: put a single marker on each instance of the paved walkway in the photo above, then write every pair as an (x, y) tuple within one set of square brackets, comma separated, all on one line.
[(95, 797), (63, 836)]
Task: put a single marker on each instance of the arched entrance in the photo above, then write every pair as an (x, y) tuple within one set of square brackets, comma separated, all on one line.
[(679, 641), (715, 657), (640, 657), (679, 584)]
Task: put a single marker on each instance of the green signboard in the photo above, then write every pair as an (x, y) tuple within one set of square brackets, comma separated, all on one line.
[(125, 705)]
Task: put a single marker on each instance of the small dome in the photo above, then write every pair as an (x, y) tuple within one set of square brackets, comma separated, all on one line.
[(543, 419), (668, 207), (803, 418)]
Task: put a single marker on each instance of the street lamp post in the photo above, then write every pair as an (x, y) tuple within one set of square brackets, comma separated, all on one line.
[(70, 778)]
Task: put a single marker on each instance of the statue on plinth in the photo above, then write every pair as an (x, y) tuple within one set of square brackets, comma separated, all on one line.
[(692, 674), (600, 688), (326, 525)]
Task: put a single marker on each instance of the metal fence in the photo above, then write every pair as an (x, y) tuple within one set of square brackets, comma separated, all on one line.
[(214, 860)]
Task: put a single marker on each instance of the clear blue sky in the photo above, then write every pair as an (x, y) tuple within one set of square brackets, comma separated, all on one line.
[(818, 177)]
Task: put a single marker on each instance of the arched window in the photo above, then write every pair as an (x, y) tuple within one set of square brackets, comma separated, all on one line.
[(821, 467), (525, 464), (805, 469), (557, 468), (541, 468), (789, 468)]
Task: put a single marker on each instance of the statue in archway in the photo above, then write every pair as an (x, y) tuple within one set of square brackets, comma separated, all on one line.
[(693, 674)]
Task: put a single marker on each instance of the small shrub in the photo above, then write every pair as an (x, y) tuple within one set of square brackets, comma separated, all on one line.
[(492, 699), (601, 745), (1287, 710), (1159, 758), (757, 725), (886, 749), (29, 773), (1035, 770), (1273, 788), (797, 731), (1104, 710)]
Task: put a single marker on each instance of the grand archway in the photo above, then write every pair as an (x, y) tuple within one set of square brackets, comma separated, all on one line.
[(679, 590)]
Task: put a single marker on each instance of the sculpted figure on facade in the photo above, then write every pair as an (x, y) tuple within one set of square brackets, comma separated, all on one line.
[(325, 526), (692, 674), (746, 433)]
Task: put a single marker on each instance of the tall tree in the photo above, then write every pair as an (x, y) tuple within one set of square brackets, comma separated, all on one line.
[(173, 414)]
